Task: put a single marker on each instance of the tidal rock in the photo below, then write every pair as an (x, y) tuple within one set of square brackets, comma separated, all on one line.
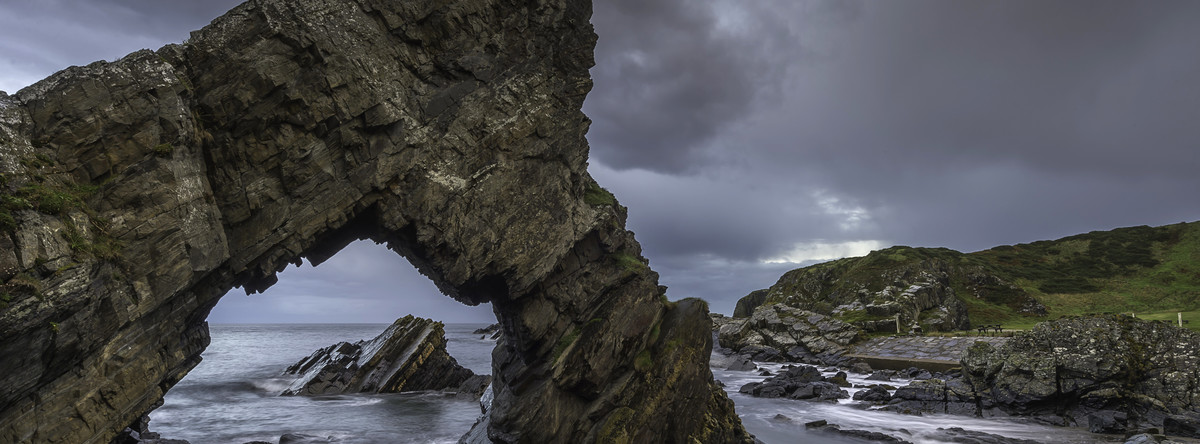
[(487, 330), (960, 435), (799, 382), (1109, 373), (146, 188), (1182, 425), (410, 355), (875, 394), (858, 435), (807, 336)]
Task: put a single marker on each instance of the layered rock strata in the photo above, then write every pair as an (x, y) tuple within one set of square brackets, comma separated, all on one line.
[(778, 333), (136, 193), (1108, 373), (410, 355)]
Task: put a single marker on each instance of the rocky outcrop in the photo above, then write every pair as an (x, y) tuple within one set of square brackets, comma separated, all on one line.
[(780, 333), (746, 305), (136, 193), (799, 382), (410, 355), (1108, 373), (924, 287)]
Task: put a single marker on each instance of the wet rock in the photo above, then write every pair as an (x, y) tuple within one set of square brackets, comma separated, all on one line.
[(1107, 421), (875, 394), (487, 330), (410, 355), (303, 438), (839, 379), (1181, 425), (882, 375), (960, 435), (741, 363), (797, 382), (863, 435), (1110, 373), (861, 368)]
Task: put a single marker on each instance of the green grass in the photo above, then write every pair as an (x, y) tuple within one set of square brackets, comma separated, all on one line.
[(596, 195), (1135, 269)]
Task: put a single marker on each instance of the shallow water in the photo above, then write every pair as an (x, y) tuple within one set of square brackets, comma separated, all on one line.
[(759, 417), (231, 397)]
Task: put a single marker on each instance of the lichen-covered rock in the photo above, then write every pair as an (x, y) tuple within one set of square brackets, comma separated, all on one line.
[(1109, 373), (800, 333), (136, 193), (410, 355)]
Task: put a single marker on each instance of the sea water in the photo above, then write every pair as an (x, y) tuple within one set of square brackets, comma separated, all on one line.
[(232, 397)]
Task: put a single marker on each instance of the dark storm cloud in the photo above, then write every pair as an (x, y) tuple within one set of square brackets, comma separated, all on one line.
[(672, 74), (38, 38), (932, 123)]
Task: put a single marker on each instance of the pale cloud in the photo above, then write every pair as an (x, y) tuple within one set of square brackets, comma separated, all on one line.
[(822, 251)]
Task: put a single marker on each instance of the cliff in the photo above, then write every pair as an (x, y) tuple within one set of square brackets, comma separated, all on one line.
[(1135, 269), (410, 355), (136, 193)]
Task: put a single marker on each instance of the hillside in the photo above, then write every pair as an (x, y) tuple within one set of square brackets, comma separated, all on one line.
[(1135, 269)]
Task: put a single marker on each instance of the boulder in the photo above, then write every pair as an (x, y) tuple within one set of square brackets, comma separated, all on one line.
[(410, 355), (875, 394), (797, 382)]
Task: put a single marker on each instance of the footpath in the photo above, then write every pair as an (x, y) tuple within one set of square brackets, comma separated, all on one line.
[(931, 353)]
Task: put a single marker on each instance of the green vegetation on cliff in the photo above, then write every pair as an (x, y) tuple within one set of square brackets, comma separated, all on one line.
[(1136, 269)]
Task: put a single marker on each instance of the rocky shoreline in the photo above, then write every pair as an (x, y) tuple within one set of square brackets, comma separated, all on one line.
[(1109, 374)]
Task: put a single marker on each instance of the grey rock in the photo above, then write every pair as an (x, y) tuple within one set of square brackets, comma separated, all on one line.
[(410, 355), (1182, 425), (450, 130)]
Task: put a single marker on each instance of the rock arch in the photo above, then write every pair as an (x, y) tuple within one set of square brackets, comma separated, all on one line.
[(138, 192)]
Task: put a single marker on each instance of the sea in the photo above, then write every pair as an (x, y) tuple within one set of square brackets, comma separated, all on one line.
[(233, 397)]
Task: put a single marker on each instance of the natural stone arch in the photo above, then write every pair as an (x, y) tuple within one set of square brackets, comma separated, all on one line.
[(451, 130)]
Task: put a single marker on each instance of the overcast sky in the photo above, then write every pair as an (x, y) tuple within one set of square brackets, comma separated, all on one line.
[(748, 138)]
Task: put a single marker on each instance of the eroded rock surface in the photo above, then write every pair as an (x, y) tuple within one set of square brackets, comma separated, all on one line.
[(137, 192), (778, 333), (410, 355), (1107, 373)]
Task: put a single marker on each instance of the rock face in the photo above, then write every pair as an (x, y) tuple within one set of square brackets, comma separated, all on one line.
[(1108, 373), (410, 355), (925, 287), (746, 305), (789, 333), (136, 193)]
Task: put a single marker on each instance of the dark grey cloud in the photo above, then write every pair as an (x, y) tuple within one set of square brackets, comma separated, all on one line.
[(672, 74), (933, 123)]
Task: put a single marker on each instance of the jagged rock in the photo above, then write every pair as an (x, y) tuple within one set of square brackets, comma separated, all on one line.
[(747, 304), (808, 337), (1110, 373), (1182, 425), (798, 382), (410, 355), (487, 330), (960, 435), (917, 284), (859, 435), (876, 394), (451, 130)]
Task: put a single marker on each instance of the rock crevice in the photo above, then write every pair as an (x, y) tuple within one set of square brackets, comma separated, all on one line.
[(136, 193)]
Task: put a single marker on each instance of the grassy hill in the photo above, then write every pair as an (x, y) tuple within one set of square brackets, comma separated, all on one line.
[(1151, 270)]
